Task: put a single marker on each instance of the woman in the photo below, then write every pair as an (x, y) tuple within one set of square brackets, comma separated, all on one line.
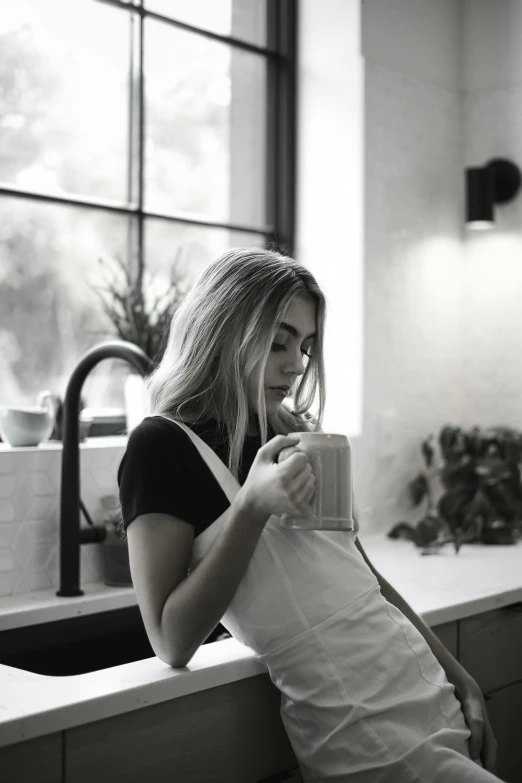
[(363, 698)]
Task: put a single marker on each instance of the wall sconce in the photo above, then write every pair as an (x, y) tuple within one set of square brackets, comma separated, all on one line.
[(495, 183)]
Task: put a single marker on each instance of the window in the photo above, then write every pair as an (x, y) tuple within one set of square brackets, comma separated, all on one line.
[(153, 131)]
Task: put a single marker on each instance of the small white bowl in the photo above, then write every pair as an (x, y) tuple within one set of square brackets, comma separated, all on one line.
[(26, 426)]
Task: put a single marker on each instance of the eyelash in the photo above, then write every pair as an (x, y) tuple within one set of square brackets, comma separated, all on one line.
[(280, 347)]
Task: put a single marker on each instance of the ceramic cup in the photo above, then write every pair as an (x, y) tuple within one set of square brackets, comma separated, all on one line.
[(25, 426), (331, 505)]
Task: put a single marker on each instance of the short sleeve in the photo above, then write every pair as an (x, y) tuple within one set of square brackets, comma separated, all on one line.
[(161, 472)]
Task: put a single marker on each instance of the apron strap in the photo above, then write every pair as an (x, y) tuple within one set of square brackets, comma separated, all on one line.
[(222, 474), (205, 540)]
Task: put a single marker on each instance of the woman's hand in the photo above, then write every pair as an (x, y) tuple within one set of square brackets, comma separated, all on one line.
[(482, 743), (279, 487)]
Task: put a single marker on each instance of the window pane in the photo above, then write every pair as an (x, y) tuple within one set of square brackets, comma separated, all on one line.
[(64, 96), (205, 117), (188, 249), (243, 19), (49, 316)]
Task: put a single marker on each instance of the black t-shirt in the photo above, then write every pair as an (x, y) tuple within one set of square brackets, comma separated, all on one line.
[(163, 472)]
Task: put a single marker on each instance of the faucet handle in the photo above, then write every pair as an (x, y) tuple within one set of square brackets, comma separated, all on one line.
[(46, 399)]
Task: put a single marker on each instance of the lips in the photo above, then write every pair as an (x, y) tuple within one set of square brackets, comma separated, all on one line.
[(281, 392)]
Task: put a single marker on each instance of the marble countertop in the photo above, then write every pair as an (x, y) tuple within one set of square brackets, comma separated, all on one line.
[(439, 588)]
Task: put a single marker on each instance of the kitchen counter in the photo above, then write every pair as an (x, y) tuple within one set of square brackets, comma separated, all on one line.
[(439, 588)]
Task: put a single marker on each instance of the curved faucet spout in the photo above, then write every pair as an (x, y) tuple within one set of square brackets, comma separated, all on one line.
[(71, 537)]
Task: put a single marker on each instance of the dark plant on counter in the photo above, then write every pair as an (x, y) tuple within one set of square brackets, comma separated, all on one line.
[(138, 316), (482, 502)]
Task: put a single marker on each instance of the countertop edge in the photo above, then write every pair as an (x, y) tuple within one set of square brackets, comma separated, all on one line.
[(219, 664)]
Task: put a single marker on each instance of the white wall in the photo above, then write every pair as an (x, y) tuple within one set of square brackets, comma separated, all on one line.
[(492, 116), (417, 37), (329, 221), (413, 236), (492, 51)]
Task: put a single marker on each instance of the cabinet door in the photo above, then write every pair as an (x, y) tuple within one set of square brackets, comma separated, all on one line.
[(229, 734), (37, 760), (504, 708), (447, 633), (490, 647)]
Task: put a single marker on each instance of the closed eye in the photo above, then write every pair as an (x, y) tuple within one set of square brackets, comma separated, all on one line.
[(280, 347)]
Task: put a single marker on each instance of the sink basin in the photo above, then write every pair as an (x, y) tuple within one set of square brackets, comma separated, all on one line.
[(81, 644), (86, 643)]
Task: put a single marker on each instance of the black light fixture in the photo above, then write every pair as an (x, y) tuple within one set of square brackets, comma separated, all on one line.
[(495, 183)]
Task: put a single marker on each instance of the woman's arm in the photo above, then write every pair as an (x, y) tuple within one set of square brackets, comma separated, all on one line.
[(199, 602)]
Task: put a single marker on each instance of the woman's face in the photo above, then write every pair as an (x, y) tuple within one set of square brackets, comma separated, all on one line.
[(287, 359)]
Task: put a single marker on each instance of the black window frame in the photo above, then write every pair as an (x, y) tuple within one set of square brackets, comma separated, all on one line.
[(281, 56)]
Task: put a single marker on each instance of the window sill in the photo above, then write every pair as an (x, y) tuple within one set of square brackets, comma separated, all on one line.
[(102, 442)]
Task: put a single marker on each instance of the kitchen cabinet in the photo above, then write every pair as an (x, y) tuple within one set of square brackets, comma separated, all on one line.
[(229, 734), (505, 714), (233, 733), (36, 760), (490, 649)]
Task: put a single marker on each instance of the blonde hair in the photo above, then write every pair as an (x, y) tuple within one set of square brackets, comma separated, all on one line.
[(220, 334)]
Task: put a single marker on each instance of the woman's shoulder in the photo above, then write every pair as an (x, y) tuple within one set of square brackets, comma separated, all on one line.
[(154, 442), (158, 435), (156, 428)]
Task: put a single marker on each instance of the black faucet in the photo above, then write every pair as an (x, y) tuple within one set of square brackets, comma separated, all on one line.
[(71, 534)]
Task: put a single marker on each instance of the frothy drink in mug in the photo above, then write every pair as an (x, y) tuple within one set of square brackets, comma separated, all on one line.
[(331, 505)]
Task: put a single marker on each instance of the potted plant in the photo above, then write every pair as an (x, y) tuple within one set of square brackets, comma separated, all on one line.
[(115, 552), (140, 309), (139, 315), (482, 502)]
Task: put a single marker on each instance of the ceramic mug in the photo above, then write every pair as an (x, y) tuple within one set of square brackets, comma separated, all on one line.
[(26, 426), (331, 506)]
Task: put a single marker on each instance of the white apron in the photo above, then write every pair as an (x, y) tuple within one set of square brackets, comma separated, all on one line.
[(363, 698)]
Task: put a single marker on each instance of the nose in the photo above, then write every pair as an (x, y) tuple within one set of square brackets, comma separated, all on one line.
[(294, 363)]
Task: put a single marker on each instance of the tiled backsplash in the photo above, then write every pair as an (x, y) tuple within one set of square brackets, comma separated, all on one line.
[(30, 480)]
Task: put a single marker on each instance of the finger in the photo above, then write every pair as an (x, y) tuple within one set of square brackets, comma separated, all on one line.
[(308, 488), (285, 453), (296, 462), (489, 751), (311, 490), (301, 484), (476, 727), (473, 711), (305, 494)]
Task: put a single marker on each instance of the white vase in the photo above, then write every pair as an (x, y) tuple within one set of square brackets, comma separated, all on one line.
[(136, 401)]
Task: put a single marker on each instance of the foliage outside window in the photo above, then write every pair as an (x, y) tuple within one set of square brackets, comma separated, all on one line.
[(151, 134)]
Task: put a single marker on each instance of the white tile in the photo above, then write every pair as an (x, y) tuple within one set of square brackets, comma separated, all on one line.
[(41, 484), (7, 560), (8, 484), (7, 583), (22, 498), (7, 511), (38, 558), (39, 580), (23, 546), (8, 534)]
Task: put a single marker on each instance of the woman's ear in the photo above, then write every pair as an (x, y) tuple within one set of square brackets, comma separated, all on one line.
[(311, 421)]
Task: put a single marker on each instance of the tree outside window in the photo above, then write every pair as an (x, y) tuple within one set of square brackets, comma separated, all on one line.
[(143, 132)]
